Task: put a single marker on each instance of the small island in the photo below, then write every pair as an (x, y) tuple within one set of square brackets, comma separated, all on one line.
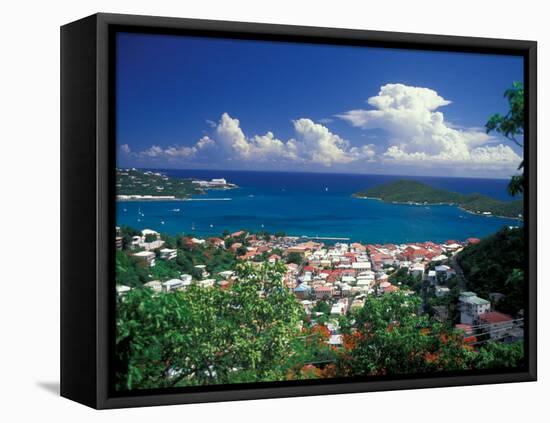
[(418, 193), (136, 184)]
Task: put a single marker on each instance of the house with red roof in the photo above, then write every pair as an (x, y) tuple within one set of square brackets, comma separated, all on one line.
[(235, 246), (249, 255), (389, 288), (498, 325), (216, 242), (323, 292), (273, 258)]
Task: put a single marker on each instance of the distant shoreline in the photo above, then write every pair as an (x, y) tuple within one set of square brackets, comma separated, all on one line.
[(313, 172), (411, 203), (165, 198)]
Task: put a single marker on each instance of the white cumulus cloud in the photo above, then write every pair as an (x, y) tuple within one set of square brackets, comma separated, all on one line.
[(317, 144), (419, 134), (313, 143), (170, 153)]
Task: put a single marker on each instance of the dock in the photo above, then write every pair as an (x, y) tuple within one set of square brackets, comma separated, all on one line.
[(325, 238)]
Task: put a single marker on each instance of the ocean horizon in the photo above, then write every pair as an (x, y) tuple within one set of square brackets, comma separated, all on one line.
[(315, 205)]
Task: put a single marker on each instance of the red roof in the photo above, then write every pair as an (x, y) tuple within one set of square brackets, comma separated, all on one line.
[(391, 288), (473, 240), (323, 288), (248, 255), (495, 317)]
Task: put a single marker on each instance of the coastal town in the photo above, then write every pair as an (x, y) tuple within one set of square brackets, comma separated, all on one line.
[(333, 279), (146, 185)]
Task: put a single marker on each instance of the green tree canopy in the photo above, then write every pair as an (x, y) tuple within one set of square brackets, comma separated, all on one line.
[(511, 126), (392, 338), (207, 335)]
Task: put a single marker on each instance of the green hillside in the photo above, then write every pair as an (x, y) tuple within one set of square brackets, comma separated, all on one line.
[(497, 264), (414, 192), (139, 182)]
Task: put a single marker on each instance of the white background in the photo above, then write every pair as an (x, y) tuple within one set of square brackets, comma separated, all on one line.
[(29, 153)]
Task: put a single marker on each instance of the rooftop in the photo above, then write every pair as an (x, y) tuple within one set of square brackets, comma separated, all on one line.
[(495, 317)]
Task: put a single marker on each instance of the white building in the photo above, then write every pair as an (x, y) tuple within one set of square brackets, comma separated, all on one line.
[(361, 265), (337, 309), (336, 340), (432, 277), (417, 270), (148, 256), (441, 291), (444, 272), (172, 284), (186, 278), (154, 285), (122, 289), (206, 283), (168, 254), (202, 268), (471, 307), (350, 280)]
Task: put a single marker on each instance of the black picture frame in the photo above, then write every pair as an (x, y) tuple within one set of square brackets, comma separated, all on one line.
[(87, 205)]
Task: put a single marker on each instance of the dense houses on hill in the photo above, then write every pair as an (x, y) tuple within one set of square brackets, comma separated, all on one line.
[(341, 274)]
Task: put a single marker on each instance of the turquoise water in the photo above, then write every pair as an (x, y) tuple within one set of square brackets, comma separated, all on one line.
[(305, 204)]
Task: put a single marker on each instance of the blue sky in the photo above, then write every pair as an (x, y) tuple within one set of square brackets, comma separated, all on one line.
[(186, 102)]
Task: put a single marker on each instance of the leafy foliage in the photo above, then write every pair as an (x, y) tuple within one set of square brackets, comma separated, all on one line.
[(130, 271), (294, 257), (255, 330), (207, 335), (403, 277), (497, 355), (511, 126), (392, 338), (496, 265)]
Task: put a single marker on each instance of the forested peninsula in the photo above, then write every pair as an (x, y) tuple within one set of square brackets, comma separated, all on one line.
[(419, 193)]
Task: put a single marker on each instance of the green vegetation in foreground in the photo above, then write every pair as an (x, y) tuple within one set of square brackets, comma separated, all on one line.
[(207, 336), (255, 330), (407, 191), (496, 265)]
